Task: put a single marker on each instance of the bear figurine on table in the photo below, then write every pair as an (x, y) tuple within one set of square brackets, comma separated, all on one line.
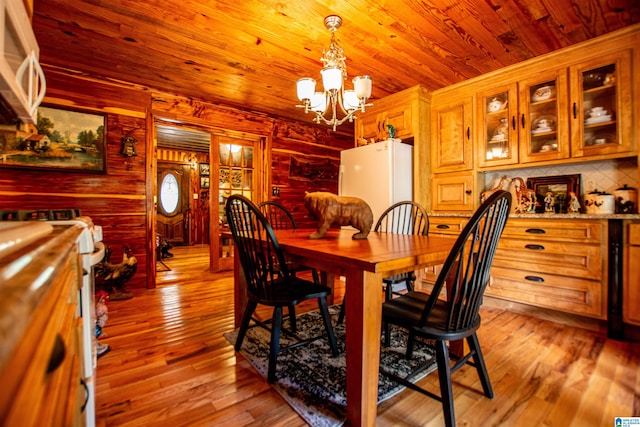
[(330, 209)]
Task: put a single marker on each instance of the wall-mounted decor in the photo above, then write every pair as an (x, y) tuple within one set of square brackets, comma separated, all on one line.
[(205, 182), (552, 192), (129, 146), (204, 169), (306, 168), (65, 140)]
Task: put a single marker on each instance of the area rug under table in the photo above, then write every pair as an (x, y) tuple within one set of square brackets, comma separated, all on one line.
[(313, 382)]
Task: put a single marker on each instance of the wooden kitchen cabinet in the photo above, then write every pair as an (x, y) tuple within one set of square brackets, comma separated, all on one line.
[(402, 110), (452, 129), (631, 281), (40, 365), (453, 192), (556, 263), (605, 83), (543, 98)]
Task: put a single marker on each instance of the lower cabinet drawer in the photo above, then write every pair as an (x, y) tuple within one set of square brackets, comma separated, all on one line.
[(573, 260), (574, 295)]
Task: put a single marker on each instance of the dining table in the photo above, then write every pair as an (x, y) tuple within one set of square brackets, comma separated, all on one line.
[(363, 263)]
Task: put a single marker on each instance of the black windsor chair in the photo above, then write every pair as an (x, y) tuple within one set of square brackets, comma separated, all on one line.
[(405, 217), (269, 281), (466, 274)]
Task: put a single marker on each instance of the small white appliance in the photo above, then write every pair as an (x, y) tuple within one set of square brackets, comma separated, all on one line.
[(381, 174)]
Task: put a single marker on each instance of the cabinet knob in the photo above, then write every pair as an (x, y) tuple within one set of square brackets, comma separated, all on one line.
[(468, 192)]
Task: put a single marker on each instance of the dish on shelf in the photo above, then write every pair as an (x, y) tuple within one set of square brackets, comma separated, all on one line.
[(601, 138), (592, 80), (497, 103), (543, 93), (541, 130), (546, 123), (598, 119)]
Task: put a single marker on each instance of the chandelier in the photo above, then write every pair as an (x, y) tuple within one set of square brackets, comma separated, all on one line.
[(335, 96)]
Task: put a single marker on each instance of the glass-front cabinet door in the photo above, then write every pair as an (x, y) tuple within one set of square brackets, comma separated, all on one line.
[(543, 123), (601, 105), (498, 136)]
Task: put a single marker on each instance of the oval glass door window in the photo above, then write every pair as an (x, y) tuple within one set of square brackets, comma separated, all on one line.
[(169, 193)]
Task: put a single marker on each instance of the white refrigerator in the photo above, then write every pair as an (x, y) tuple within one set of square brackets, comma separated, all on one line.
[(381, 174)]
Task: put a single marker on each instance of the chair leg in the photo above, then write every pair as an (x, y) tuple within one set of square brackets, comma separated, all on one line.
[(411, 340), (386, 326), (244, 326), (326, 318), (444, 374), (474, 346), (292, 318), (342, 310), (388, 291), (275, 343)]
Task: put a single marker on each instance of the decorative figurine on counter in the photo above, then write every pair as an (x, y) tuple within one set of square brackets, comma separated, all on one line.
[(330, 209), (525, 197), (574, 203), (549, 202)]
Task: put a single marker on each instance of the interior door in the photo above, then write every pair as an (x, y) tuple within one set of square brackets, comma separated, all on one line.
[(173, 202)]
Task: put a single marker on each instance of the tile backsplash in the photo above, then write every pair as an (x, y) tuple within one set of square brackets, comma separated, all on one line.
[(605, 175)]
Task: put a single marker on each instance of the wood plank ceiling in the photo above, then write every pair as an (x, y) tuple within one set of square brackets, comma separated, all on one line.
[(249, 53)]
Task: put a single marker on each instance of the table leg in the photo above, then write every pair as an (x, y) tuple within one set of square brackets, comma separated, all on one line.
[(363, 320)]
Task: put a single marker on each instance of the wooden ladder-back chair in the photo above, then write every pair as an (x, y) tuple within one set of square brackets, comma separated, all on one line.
[(405, 217), (427, 316), (269, 281)]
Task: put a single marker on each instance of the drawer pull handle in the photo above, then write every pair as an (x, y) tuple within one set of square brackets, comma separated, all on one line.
[(58, 354), (535, 231), (535, 247), (534, 279), (442, 226)]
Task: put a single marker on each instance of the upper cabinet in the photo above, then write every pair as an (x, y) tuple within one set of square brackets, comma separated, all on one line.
[(543, 124), (400, 110), (524, 121), (451, 134), (601, 110), (22, 82), (497, 126)]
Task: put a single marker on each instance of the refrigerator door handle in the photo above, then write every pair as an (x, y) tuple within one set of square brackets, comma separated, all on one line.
[(340, 179)]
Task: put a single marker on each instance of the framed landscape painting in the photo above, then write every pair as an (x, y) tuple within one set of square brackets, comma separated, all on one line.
[(66, 140)]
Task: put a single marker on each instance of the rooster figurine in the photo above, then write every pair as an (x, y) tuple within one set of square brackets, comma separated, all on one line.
[(113, 277)]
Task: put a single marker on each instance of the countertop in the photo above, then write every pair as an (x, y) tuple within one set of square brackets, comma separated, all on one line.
[(544, 215), (26, 277)]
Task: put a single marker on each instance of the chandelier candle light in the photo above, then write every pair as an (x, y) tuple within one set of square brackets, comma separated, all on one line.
[(333, 74)]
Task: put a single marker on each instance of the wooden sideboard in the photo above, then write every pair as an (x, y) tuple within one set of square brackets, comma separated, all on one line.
[(576, 268)]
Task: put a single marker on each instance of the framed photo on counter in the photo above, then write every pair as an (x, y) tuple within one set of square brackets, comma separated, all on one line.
[(556, 187)]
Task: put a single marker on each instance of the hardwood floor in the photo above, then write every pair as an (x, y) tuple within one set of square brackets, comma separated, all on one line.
[(169, 365)]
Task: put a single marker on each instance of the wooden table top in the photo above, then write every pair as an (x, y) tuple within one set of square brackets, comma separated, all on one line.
[(380, 252)]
